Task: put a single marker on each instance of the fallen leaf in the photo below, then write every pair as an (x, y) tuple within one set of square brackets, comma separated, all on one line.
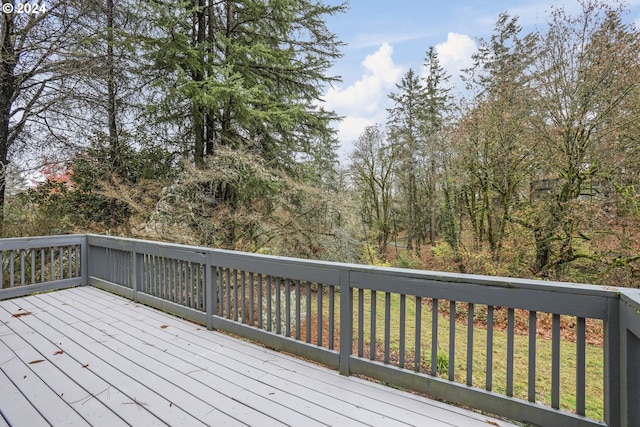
[(493, 423), (36, 361), (164, 326), (26, 313), (57, 353)]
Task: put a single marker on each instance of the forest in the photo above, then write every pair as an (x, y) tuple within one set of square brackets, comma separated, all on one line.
[(202, 122)]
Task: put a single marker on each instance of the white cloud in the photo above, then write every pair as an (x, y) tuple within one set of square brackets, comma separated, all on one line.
[(455, 53), (363, 102), (350, 129)]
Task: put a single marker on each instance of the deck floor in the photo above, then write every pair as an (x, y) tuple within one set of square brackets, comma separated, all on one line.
[(86, 357)]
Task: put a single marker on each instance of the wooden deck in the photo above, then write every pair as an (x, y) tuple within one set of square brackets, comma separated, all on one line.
[(82, 356)]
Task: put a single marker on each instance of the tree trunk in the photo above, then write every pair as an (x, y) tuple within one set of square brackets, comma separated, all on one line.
[(114, 149), (8, 62)]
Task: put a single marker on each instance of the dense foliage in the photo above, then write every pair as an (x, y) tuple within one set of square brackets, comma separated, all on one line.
[(535, 174), (202, 122)]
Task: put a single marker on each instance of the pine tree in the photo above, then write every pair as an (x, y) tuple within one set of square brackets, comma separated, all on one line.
[(406, 123), (251, 75)]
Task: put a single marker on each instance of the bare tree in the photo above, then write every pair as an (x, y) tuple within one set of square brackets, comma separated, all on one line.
[(30, 64), (587, 79), (374, 162)]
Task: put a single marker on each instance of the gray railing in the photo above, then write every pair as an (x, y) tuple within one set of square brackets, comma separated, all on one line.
[(38, 264), (539, 352)]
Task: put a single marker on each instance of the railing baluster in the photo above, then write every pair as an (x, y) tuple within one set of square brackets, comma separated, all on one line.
[(218, 291), (555, 361), (251, 299), (22, 268), (171, 279), (372, 320), (228, 291), (243, 297), (360, 322), (489, 369), (174, 288), (319, 311), (12, 279), (260, 304), (78, 260), (510, 350), (235, 295), (52, 264), (61, 263), (452, 339), (187, 284), (332, 315), (287, 307), (308, 314), (387, 325), (418, 336), (164, 277), (434, 337), (402, 344), (70, 270), (33, 265), (43, 273), (298, 316), (533, 336), (470, 318), (2, 270), (193, 284), (181, 282), (269, 296), (278, 311), (580, 365), (152, 274), (157, 287)]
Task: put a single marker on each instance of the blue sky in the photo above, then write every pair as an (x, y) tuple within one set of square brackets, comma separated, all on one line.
[(385, 38)]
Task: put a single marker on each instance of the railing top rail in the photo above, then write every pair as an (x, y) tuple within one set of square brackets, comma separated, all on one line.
[(631, 297), (422, 275), (15, 243)]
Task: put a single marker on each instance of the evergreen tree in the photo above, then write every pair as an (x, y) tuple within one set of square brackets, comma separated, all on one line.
[(406, 122), (250, 74), (438, 107)]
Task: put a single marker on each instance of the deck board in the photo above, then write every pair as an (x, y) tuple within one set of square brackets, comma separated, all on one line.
[(109, 361)]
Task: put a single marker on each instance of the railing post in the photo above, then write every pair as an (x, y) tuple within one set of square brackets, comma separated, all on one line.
[(630, 358), (84, 260), (346, 321), (209, 290), (631, 417), (612, 359)]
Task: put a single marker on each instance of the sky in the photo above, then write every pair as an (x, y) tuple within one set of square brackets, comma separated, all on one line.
[(385, 38)]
